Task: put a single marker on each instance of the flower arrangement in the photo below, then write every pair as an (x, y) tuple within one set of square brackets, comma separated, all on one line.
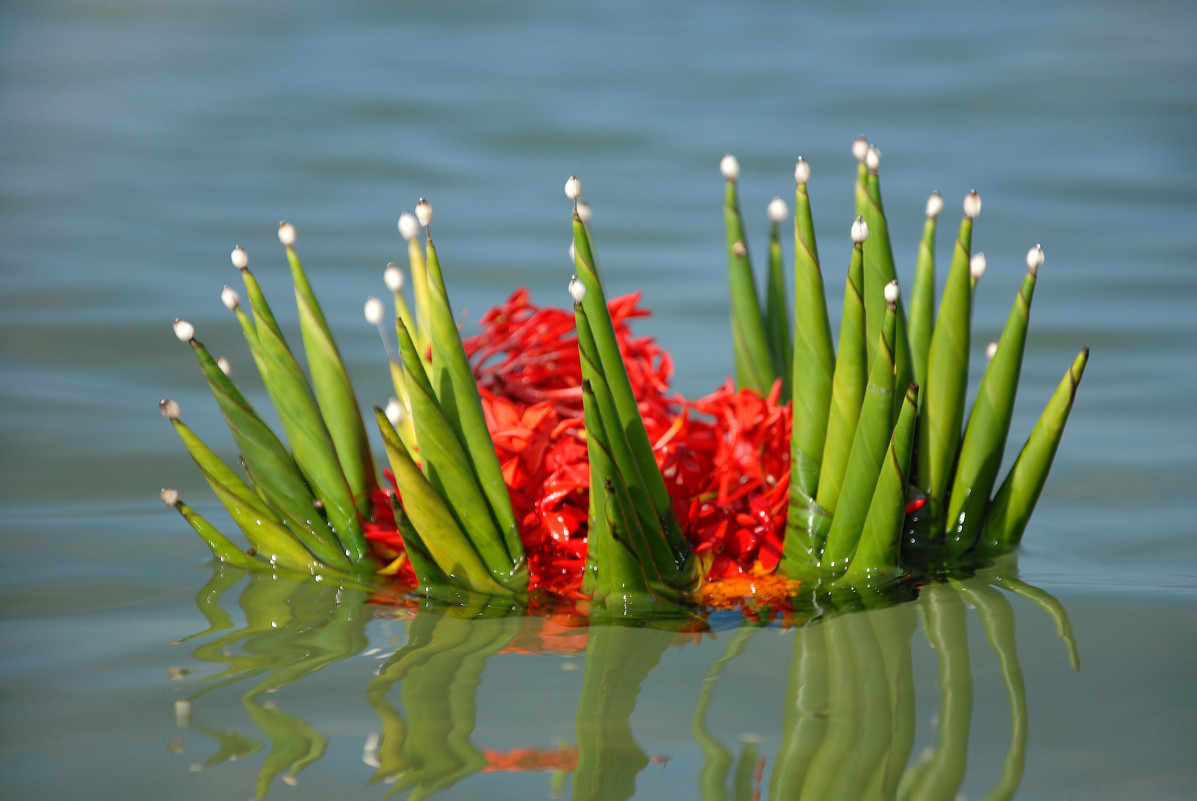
[(545, 457)]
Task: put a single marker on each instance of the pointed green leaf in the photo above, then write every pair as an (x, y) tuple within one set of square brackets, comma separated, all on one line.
[(304, 427), (447, 466), (444, 540), (985, 436), (222, 547), (617, 569), (942, 401), (428, 573), (644, 525), (616, 374), (922, 296), (334, 392), (814, 356), (875, 561), (457, 395), (879, 271), (754, 364), (1016, 498), (848, 387), (261, 526), (271, 466), (869, 447), (777, 317), (419, 281)]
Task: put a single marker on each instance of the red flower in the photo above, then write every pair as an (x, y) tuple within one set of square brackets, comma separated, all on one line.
[(725, 457)]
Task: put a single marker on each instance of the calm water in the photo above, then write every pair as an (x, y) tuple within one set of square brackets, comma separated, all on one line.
[(139, 141)]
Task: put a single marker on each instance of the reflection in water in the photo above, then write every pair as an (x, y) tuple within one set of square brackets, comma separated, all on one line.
[(849, 723), (293, 627)]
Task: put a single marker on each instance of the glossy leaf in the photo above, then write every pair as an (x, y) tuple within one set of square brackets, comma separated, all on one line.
[(1016, 498)]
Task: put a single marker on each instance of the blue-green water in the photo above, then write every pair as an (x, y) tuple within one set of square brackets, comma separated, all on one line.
[(139, 141)]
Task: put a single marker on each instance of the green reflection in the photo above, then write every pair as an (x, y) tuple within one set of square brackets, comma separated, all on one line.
[(848, 730), (438, 672), (293, 628)]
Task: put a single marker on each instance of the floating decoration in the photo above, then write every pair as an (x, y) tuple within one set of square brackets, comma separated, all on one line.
[(546, 460)]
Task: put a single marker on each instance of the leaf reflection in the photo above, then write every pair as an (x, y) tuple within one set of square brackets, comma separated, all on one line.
[(848, 729)]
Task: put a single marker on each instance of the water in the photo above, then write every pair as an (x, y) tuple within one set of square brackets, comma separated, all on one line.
[(141, 140)]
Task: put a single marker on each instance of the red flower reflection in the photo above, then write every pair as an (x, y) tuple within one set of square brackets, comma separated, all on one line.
[(725, 457)]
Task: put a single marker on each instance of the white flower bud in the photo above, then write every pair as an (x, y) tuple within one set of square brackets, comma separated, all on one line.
[(577, 290), (394, 411), (740, 250), (584, 211), (972, 205), (184, 330), (392, 276), (730, 167), (374, 310), (977, 265), (170, 497), (230, 298), (802, 171), (860, 148), (409, 226), (286, 233), (573, 188), (934, 204), (1035, 259), (169, 409), (240, 258), (892, 292), (873, 157), (778, 210), (991, 349), (224, 365), (573, 254), (424, 212), (860, 230)]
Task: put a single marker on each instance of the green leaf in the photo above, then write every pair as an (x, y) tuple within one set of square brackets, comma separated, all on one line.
[(447, 466), (446, 543), (642, 524), (814, 357), (1016, 498), (616, 375), (879, 271), (334, 392), (985, 436), (942, 402), (875, 561), (310, 441), (848, 386), (869, 446), (754, 363), (222, 547), (260, 524), (922, 302), (271, 467), (777, 317), (419, 282), (618, 570), (457, 394)]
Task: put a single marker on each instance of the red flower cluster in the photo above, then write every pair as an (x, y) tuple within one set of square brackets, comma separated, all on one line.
[(725, 457)]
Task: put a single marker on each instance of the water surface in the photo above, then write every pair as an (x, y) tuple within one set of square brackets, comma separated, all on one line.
[(141, 140)]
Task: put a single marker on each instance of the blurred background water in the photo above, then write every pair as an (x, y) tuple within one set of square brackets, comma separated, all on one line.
[(141, 139)]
